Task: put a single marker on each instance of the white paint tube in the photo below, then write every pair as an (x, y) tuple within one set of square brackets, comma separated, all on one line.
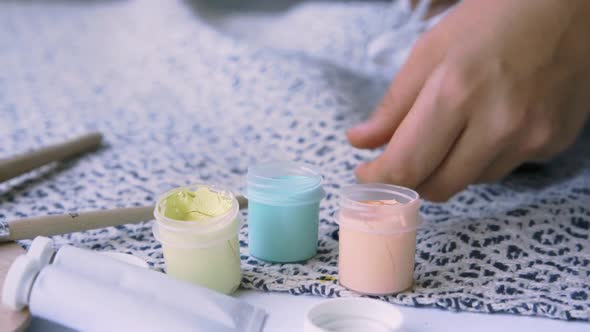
[(87, 291)]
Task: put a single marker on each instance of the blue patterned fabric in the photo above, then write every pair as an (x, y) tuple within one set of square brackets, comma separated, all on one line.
[(189, 92)]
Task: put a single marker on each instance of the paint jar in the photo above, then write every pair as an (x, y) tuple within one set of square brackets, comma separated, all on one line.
[(204, 252), (377, 238), (283, 211)]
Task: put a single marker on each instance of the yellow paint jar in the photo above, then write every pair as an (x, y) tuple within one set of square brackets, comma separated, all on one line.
[(198, 228)]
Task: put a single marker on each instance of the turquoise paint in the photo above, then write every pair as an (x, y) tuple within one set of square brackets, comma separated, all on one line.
[(283, 212), (283, 233)]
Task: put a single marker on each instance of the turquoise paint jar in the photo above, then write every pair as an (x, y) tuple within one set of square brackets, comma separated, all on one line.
[(283, 211)]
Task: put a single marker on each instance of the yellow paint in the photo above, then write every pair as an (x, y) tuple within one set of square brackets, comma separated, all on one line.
[(198, 205)]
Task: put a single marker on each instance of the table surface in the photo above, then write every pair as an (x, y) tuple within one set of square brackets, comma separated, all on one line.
[(286, 314)]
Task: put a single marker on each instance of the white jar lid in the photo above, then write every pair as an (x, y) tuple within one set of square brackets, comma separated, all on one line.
[(353, 314)]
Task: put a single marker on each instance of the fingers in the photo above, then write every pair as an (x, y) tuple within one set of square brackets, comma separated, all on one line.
[(544, 139), (424, 137), (436, 6), (472, 155), (435, 2), (501, 167), (400, 97)]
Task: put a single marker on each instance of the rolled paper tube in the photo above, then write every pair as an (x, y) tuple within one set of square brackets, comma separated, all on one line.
[(13, 167)]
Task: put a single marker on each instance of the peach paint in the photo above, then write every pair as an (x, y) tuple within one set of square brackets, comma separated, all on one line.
[(377, 241)]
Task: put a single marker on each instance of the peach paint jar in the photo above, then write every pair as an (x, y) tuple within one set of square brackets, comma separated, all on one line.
[(377, 240)]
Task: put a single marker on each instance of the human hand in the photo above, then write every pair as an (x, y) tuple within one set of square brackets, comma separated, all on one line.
[(493, 85), (436, 6)]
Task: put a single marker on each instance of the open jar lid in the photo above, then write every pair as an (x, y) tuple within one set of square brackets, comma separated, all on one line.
[(353, 314), (379, 208), (284, 183)]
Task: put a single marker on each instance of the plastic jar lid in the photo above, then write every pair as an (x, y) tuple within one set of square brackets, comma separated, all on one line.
[(197, 234), (353, 314), (359, 213), (210, 225), (284, 183)]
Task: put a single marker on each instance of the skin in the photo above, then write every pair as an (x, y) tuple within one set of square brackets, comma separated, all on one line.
[(436, 6), (495, 84)]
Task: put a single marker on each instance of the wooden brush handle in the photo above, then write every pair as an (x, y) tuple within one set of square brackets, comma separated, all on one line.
[(13, 167), (29, 228)]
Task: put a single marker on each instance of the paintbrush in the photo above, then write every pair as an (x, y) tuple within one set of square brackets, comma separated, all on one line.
[(28, 228), (15, 166)]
